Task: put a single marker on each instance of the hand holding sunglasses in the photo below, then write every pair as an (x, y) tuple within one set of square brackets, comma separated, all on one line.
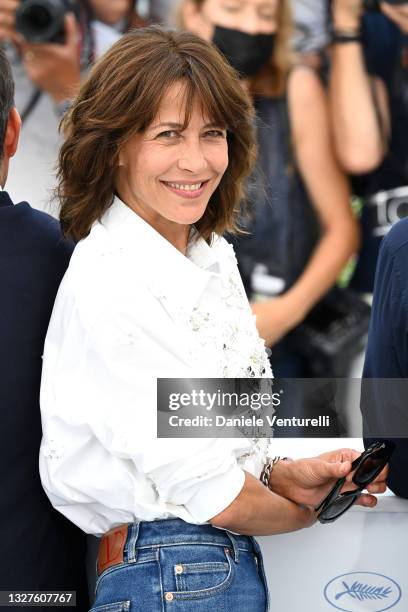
[(366, 468)]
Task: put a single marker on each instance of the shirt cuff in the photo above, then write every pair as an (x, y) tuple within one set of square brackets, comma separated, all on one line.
[(216, 494)]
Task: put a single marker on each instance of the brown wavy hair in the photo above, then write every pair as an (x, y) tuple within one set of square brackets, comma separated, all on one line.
[(122, 96)]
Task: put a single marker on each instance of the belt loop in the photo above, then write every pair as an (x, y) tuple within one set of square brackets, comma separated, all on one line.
[(132, 540), (234, 545)]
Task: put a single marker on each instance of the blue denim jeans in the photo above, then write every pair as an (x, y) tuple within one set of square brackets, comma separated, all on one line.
[(173, 566)]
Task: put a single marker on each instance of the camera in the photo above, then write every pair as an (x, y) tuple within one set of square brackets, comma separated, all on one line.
[(374, 5), (42, 21), (385, 208)]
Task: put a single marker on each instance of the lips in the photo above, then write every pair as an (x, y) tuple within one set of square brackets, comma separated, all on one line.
[(186, 190), (185, 187)]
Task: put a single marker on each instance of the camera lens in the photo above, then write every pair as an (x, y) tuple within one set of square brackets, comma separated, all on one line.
[(403, 210), (37, 18), (41, 21), (397, 208)]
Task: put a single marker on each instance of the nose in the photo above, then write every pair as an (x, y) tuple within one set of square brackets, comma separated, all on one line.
[(252, 24), (192, 157)]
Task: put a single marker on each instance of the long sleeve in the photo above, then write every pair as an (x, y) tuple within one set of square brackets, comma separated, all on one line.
[(131, 309), (100, 459)]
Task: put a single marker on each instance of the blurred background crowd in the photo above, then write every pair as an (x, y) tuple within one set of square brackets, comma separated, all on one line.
[(329, 83)]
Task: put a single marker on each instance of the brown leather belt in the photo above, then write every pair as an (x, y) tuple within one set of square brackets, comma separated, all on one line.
[(111, 548)]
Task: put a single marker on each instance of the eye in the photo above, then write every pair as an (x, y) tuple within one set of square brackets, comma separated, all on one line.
[(265, 12), (168, 134), (232, 8), (267, 16), (215, 134)]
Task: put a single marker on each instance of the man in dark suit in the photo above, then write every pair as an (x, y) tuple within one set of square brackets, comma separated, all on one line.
[(40, 549), (384, 390)]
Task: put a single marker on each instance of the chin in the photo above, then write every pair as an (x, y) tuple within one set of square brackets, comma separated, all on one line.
[(190, 217)]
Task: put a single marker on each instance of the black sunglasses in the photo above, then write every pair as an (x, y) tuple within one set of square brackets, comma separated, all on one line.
[(367, 467)]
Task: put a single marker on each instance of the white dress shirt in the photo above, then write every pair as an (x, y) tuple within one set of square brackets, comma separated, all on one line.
[(132, 308)]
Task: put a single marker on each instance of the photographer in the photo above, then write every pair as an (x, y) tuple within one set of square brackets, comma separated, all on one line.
[(47, 75), (368, 94)]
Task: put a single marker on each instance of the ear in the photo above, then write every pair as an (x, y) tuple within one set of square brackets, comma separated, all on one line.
[(12, 133), (194, 21)]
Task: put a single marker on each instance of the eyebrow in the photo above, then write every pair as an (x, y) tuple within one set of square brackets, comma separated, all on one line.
[(180, 125)]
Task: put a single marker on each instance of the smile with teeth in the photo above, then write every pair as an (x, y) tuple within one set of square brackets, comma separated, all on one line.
[(185, 187)]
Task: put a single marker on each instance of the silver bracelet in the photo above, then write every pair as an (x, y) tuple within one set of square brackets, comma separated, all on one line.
[(267, 469)]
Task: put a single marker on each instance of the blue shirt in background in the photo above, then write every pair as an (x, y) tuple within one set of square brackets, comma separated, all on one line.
[(387, 352)]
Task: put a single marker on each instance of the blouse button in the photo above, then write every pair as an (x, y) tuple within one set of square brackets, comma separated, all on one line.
[(179, 569), (169, 597)]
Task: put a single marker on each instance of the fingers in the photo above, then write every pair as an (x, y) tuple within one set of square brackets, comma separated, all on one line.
[(400, 10), (30, 52), (383, 475), (349, 454), (9, 6), (341, 454), (8, 18), (398, 14), (375, 487), (8, 13), (71, 31), (326, 470), (368, 501)]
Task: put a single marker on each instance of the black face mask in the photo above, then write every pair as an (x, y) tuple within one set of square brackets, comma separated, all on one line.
[(247, 53)]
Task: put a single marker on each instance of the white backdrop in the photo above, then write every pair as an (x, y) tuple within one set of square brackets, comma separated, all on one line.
[(371, 546)]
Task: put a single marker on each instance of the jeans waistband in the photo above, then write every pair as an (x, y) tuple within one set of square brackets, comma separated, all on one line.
[(166, 532)]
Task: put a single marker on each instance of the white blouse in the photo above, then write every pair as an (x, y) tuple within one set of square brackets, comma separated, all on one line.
[(132, 308)]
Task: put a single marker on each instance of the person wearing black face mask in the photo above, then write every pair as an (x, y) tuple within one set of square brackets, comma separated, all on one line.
[(247, 53), (302, 231)]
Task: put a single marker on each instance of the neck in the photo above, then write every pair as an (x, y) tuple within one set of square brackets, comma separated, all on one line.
[(173, 232)]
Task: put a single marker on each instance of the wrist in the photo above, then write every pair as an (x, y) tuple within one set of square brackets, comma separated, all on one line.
[(347, 21), (295, 307), (307, 516), (61, 94), (66, 89), (299, 516), (341, 37), (347, 25), (280, 477)]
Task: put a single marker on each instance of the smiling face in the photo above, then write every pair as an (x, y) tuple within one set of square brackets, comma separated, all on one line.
[(167, 175), (249, 16)]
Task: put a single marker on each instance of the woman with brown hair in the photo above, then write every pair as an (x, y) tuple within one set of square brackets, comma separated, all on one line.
[(159, 142), (302, 231)]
